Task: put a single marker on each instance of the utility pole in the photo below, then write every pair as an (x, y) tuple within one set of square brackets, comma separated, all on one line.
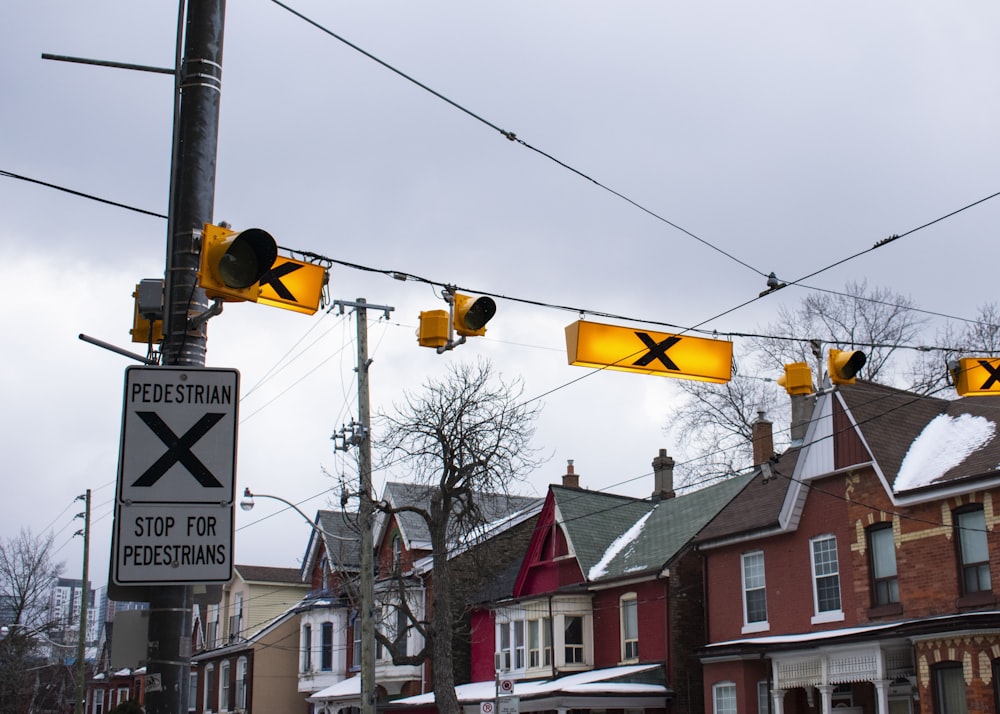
[(81, 645), (363, 441), (198, 92)]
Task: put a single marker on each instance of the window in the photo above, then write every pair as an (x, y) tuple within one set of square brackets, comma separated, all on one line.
[(630, 627), (949, 689), (326, 651), (518, 628), (192, 691), (224, 686), (505, 658), (826, 579), (754, 592), (573, 639), (307, 638), (540, 642), (724, 698), (973, 550), (882, 554), (122, 695), (763, 697), (209, 703), (241, 683), (98, 707), (356, 654), (397, 551)]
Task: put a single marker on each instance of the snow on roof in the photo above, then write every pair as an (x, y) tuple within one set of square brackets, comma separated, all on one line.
[(582, 683), (620, 543), (943, 444)]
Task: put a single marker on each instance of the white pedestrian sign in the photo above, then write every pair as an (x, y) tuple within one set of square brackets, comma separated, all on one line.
[(178, 441)]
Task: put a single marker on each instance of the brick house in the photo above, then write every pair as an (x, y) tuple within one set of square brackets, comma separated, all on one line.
[(403, 555), (603, 612), (854, 572)]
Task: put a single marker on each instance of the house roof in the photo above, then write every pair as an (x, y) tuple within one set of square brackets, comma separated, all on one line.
[(918, 446), (616, 536), (758, 505), (413, 529), (921, 441), (267, 574), (340, 538)]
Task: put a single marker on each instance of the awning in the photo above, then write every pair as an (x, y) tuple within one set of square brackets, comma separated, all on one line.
[(349, 688), (636, 686)]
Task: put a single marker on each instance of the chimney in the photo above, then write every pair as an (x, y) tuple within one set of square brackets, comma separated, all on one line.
[(802, 407), (570, 479), (762, 435), (663, 477)]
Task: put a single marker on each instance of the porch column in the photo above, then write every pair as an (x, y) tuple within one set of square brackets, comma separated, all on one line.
[(882, 695), (778, 701), (826, 698)]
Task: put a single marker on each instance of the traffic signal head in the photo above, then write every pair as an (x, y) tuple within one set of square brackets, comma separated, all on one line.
[(471, 314), (232, 263), (433, 330), (797, 378), (843, 365)]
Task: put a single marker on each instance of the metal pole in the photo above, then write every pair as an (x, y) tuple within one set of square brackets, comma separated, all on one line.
[(192, 197), (367, 546), (81, 645)]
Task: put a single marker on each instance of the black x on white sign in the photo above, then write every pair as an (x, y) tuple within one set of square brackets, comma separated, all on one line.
[(178, 440)]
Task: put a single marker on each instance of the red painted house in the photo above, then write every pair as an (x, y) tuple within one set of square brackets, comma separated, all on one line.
[(604, 612), (855, 573)]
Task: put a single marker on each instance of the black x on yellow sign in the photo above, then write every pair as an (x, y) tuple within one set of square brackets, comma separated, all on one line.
[(292, 285), (977, 376), (592, 344)]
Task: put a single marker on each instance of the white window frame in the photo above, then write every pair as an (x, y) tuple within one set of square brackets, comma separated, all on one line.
[(193, 690), (750, 584), (209, 688), (98, 701), (763, 697), (224, 685), (580, 647), (628, 608), (241, 683), (306, 663), (822, 616), (724, 698), (539, 642)]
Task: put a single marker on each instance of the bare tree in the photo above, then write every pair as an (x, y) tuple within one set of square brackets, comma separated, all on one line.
[(27, 573), (466, 434), (980, 337), (716, 421)]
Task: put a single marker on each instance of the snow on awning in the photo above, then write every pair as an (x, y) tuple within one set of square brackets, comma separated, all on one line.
[(344, 689), (592, 683)]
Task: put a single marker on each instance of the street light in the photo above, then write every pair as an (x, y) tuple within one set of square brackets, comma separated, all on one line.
[(247, 504)]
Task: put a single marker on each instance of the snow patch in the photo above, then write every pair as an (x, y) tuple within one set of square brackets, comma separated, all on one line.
[(943, 444), (620, 543)]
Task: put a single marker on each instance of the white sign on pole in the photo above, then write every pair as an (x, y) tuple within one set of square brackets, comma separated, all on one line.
[(172, 544), (178, 441), (509, 705), (486, 707)]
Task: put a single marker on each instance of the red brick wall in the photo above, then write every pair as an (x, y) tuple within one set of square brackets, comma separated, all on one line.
[(926, 558), (787, 571), (651, 608)]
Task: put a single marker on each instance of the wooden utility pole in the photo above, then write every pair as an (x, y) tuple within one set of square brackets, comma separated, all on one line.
[(81, 644), (362, 439)]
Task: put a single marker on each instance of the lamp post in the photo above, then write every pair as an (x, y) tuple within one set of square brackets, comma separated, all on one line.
[(367, 597)]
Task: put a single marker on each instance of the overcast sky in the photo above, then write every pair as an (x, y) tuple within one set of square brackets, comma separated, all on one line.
[(785, 136)]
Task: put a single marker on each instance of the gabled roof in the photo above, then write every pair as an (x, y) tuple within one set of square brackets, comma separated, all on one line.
[(920, 448), (413, 529), (615, 536), (340, 539), (267, 574), (920, 442)]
